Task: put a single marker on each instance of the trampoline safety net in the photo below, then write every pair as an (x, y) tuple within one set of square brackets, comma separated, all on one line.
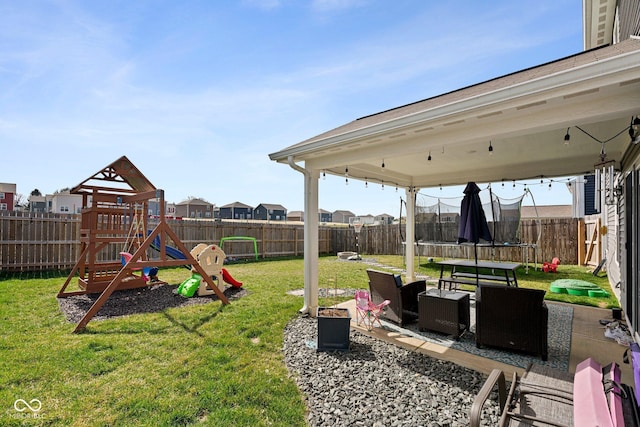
[(438, 219)]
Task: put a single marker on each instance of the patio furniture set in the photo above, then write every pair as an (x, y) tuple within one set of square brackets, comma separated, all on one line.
[(506, 316), (514, 319)]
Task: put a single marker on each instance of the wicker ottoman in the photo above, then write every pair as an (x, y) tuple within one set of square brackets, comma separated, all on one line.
[(443, 311)]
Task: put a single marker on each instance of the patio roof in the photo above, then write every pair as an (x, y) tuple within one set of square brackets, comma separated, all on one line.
[(524, 116)]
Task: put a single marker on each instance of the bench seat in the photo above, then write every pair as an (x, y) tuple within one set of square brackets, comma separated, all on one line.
[(481, 276), (451, 281)]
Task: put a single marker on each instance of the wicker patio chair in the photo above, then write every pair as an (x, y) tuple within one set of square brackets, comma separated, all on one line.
[(403, 306), (512, 318)]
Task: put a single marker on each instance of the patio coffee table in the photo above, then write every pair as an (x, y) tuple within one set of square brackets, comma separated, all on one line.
[(443, 311)]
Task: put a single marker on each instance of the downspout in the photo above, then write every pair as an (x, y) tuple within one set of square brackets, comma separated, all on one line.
[(310, 238)]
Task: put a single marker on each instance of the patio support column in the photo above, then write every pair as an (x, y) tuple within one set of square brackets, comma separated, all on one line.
[(311, 245), (409, 248)]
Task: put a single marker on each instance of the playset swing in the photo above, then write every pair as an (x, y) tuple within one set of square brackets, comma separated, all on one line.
[(115, 200)]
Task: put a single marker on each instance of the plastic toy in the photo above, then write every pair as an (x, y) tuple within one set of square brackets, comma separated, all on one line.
[(551, 267)]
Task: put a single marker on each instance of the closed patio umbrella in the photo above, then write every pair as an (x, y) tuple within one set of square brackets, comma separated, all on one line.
[(473, 223)]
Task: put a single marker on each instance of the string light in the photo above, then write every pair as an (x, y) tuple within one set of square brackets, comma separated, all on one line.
[(324, 175), (366, 183), (382, 164), (429, 158), (567, 137), (383, 185), (490, 149)]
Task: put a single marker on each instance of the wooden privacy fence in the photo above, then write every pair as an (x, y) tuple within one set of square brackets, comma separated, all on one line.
[(544, 239), (32, 242)]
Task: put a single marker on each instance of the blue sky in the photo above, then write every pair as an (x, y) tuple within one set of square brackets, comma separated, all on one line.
[(198, 93)]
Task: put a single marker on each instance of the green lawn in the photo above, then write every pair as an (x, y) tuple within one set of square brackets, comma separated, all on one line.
[(198, 365)]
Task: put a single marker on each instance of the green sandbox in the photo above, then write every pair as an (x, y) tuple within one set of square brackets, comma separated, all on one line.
[(577, 287)]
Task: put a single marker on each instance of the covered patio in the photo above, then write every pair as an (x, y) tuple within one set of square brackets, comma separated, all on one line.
[(568, 117)]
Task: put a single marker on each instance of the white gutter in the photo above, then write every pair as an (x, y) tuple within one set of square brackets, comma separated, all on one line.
[(310, 237)]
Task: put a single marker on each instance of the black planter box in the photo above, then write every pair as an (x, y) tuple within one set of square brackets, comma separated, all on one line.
[(333, 331)]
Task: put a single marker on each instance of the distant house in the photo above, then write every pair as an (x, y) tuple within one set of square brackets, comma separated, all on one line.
[(153, 207), (270, 212), (295, 216), (37, 204), (325, 216), (7, 196), (384, 219), (342, 216), (64, 202), (236, 210), (367, 219), (449, 216), (552, 211), (194, 208)]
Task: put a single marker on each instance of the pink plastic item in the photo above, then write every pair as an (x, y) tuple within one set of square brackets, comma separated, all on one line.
[(366, 311), (590, 407)]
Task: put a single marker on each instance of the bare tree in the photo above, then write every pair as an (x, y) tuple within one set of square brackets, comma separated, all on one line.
[(19, 201)]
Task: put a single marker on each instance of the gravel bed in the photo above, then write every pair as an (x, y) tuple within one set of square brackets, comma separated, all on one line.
[(149, 299), (379, 384)]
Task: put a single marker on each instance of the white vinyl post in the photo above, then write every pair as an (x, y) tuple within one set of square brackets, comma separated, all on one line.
[(311, 246), (410, 233)]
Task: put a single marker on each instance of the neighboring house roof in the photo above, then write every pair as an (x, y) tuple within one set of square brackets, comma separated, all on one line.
[(7, 188), (236, 205), (272, 206), (323, 211), (194, 201), (343, 212), (551, 211)]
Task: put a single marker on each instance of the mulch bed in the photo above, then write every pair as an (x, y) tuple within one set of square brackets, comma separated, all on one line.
[(150, 299)]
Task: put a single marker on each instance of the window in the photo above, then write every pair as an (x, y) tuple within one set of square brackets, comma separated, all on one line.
[(3, 206), (64, 208), (2, 196)]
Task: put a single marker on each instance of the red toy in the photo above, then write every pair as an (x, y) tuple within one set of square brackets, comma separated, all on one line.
[(551, 266)]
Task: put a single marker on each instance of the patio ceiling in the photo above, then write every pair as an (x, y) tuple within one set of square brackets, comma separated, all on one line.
[(524, 116)]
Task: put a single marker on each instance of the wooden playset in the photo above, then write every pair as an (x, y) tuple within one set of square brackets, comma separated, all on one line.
[(116, 203)]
